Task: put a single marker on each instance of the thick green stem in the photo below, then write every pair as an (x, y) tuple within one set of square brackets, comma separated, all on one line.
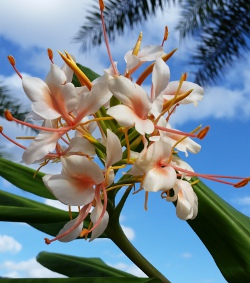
[(116, 234)]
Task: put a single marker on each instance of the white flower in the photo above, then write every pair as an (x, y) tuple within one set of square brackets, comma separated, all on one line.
[(135, 108), (76, 183)]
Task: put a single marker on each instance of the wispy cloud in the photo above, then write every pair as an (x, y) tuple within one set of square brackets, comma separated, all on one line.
[(130, 268), (186, 255), (243, 200), (27, 269), (9, 244)]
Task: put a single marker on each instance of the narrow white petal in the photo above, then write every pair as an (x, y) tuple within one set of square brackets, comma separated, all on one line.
[(123, 115), (113, 149), (160, 76), (55, 77), (43, 144), (79, 144), (35, 88), (94, 216)]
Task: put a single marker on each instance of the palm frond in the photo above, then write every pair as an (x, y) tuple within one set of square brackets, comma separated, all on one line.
[(15, 107), (223, 41), (197, 13), (118, 15)]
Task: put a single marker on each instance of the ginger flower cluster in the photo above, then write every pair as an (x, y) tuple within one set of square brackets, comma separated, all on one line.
[(111, 126)]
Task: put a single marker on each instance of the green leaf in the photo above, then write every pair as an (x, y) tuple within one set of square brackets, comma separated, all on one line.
[(225, 232), (88, 72), (81, 280), (43, 217), (22, 177), (72, 266)]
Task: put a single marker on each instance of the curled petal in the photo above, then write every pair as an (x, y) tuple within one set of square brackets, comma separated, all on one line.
[(187, 203), (132, 95), (126, 117), (95, 215), (80, 167), (114, 149), (70, 191), (195, 96), (43, 144), (90, 102), (73, 234), (160, 76), (79, 144), (159, 179)]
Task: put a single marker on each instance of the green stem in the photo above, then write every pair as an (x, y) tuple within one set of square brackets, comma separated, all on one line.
[(116, 234)]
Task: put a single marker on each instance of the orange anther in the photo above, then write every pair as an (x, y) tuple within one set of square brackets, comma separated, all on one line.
[(1, 129), (50, 54), (12, 60), (84, 233), (8, 115), (47, 241), (102, 6), (203, 133), (242, 183), (166, 33)]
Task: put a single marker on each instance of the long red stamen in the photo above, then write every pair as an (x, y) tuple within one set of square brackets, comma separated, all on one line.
[(9, 117), (200, 135), (82, 215), (104, 205), (212, 177), (106, 38), (11, 140), (175, 131)]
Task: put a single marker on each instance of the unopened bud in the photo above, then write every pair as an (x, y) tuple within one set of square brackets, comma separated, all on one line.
[(8, 115), (1, 129)]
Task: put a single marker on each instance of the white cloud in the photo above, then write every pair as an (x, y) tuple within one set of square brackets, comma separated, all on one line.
[(9, 244), (186, 255), (27, 269), (129, 232), (130, 268), (218, 103), (243, 201)]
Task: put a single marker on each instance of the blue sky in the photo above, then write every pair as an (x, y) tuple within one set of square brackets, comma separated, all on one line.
[(27, 29)]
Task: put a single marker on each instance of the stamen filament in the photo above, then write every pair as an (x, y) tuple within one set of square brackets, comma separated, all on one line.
[(175, 131), (13, 64), (11, 140), (106, 39), (9, 117)]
